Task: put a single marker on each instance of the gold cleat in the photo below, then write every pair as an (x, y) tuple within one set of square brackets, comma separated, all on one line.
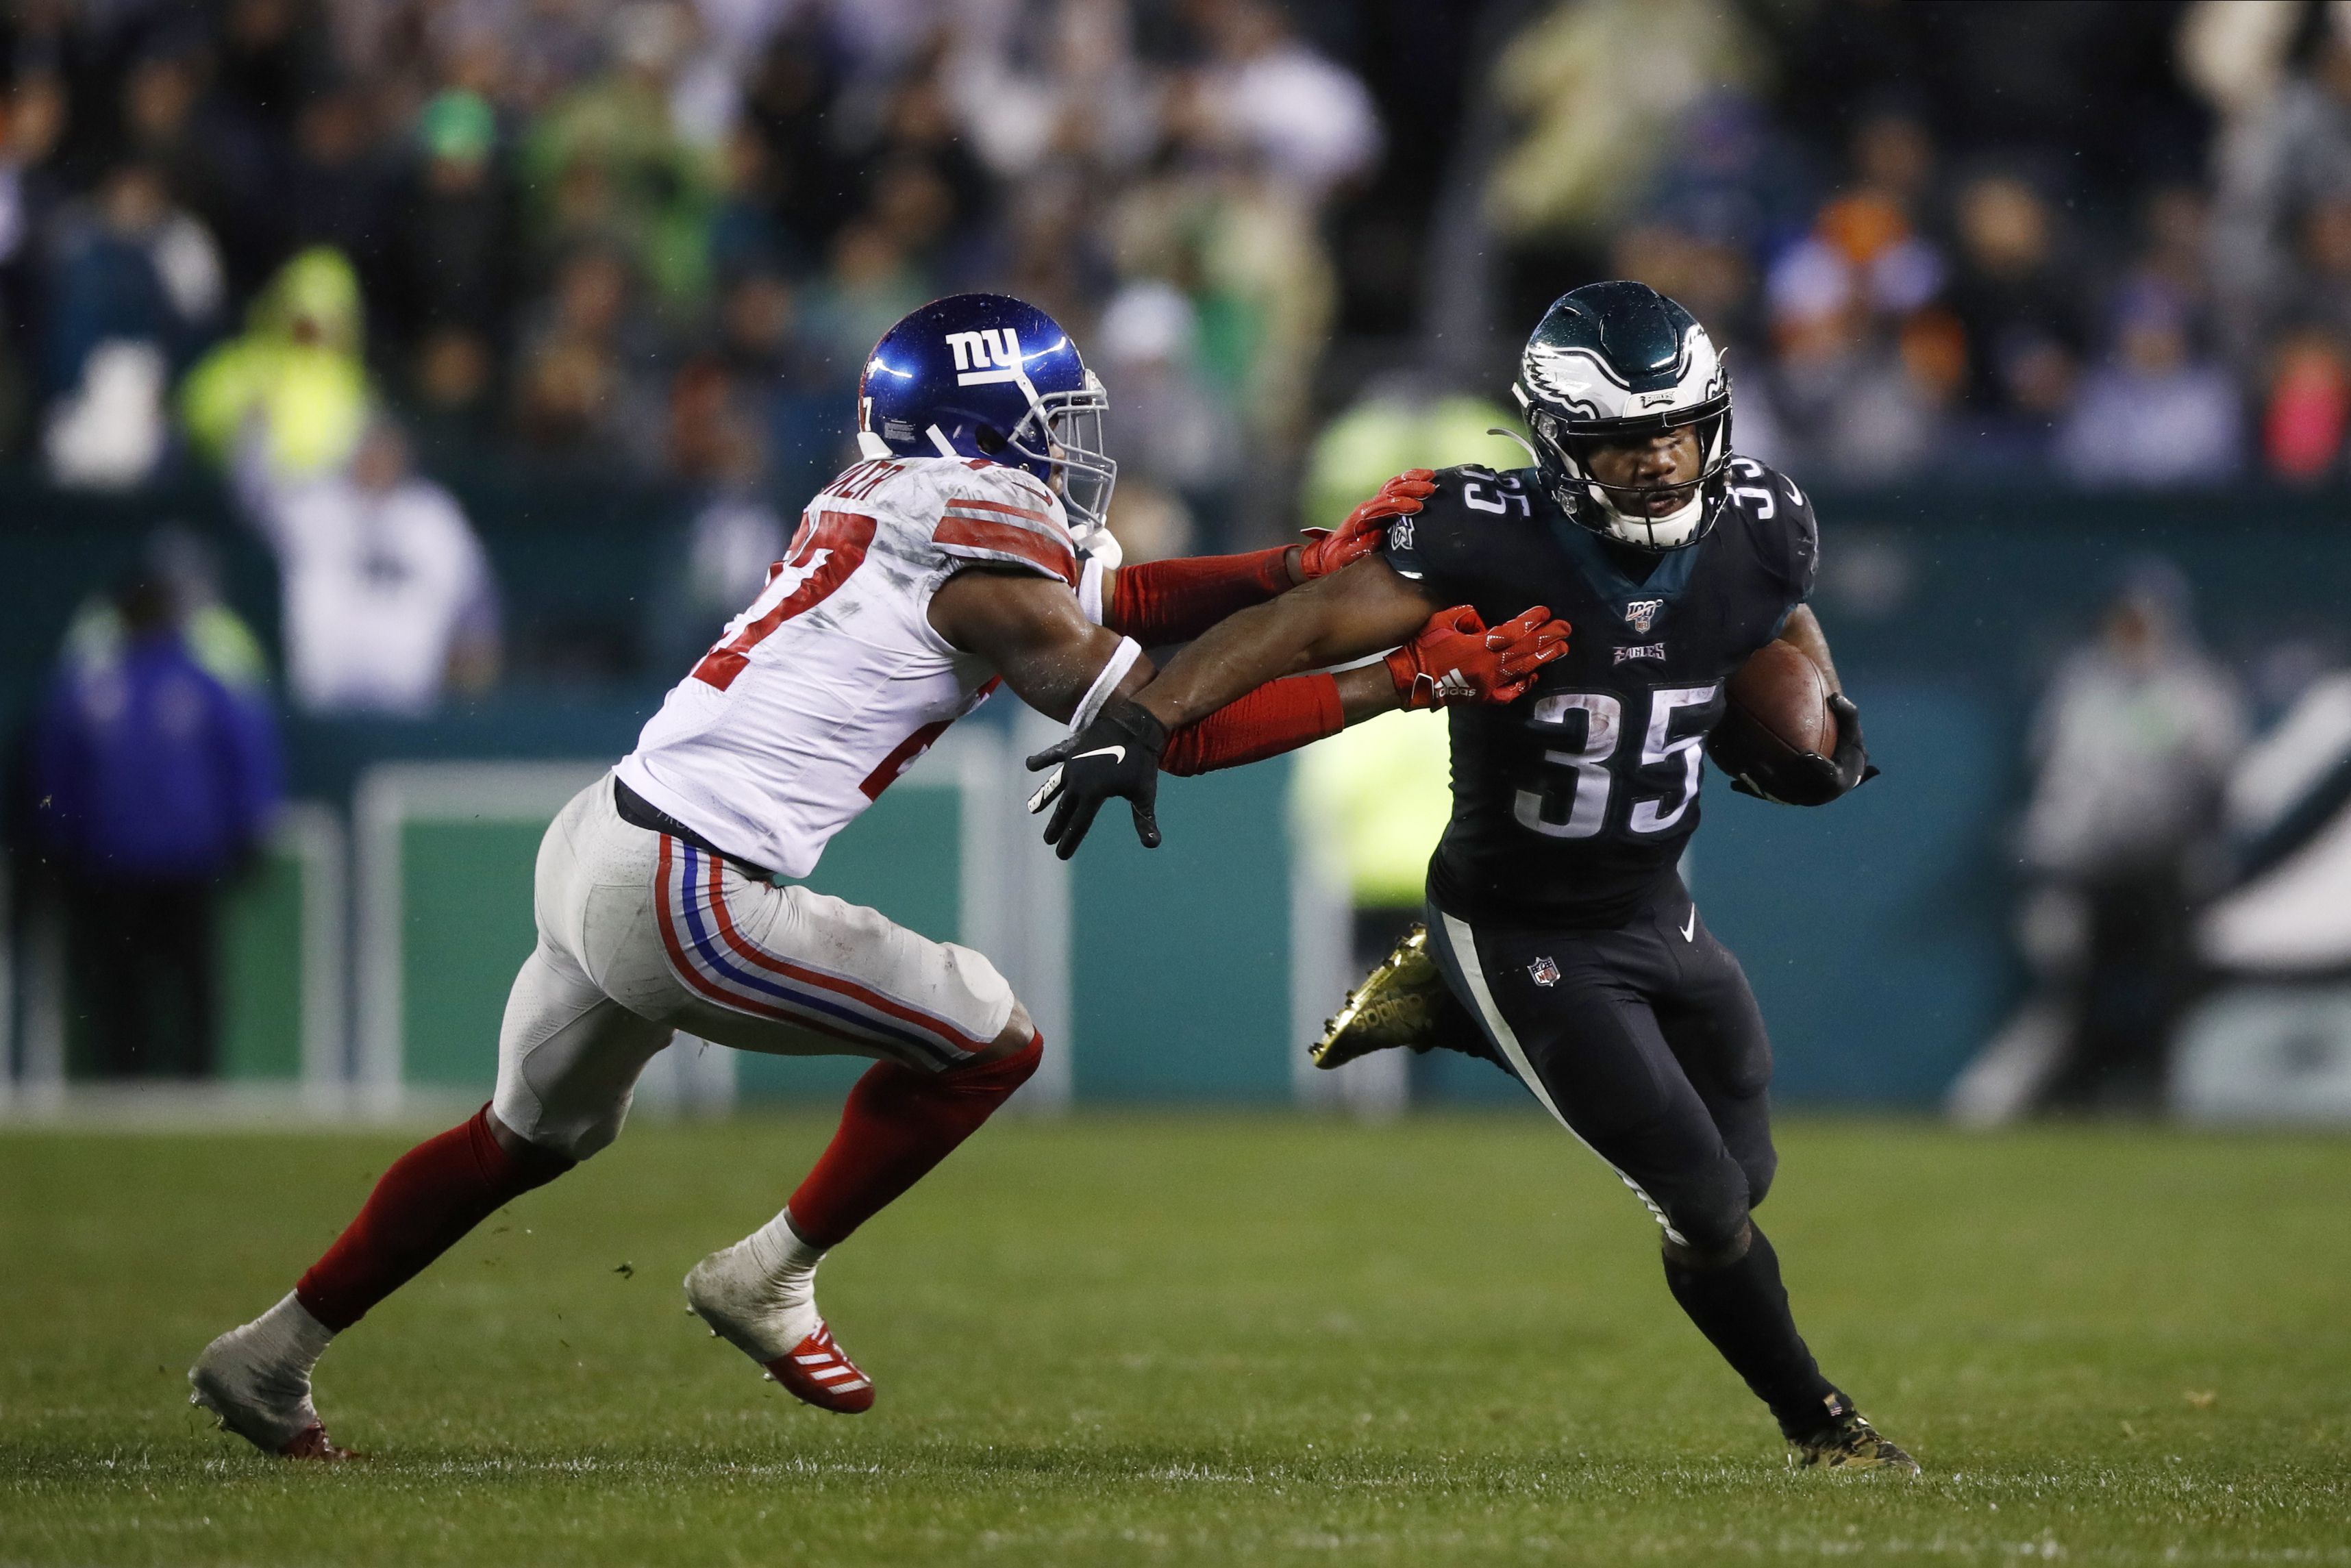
[(1404, 1002), (1849, 1445)]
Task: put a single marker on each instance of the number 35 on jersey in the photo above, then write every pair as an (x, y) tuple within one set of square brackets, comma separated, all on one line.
[(1596, 768)]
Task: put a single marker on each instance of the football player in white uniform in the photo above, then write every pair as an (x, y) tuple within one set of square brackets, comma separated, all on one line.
[(968, 549)]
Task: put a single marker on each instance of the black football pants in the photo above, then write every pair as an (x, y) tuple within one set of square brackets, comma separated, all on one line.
[(1645, 1040)]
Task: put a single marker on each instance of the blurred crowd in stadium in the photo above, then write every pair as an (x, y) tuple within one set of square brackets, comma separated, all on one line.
[(660, 234), (650, 234)]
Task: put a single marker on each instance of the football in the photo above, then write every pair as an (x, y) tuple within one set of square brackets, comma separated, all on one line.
[(1778, 707)]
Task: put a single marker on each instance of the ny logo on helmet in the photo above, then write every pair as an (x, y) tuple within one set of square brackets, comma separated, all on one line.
[(1643, 612), (975, 353)]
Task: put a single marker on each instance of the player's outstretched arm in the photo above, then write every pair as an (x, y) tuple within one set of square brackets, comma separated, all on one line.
[(1162, 602), (1364, 609), (1031, 631), (1361, 610), (1456, 658)]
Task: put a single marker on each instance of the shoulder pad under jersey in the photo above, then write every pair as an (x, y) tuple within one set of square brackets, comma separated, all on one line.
[(1441, 540), (992, 513), (1778, 517), (962, 510)]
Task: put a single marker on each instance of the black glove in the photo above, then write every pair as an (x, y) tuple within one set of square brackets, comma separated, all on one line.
[(1812, 779), (1117, 754)]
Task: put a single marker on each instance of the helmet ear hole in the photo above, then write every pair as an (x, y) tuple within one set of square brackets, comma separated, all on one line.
[(989, 440)]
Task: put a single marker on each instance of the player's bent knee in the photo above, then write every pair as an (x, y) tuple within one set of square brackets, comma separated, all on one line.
[(1718, 1231), (547, 1147), (996, 1073), (1759, 1168), (535, 1161), (1018, 1035), (1712, 1254), (581, 1144), (1710, 1220)]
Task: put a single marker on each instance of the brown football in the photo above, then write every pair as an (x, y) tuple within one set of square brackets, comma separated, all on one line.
[(1779, 705)]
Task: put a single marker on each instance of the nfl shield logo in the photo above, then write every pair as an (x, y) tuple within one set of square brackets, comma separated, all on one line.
[(1545, 972), (1641, 614)]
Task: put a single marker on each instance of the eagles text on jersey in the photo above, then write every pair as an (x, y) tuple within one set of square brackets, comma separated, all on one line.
[(1572, 803)]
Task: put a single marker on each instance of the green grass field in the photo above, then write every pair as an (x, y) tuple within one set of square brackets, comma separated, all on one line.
[(1211, 1339)]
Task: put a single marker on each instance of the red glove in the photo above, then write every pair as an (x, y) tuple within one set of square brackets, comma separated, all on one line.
[(1325, 552), (1456, 658)]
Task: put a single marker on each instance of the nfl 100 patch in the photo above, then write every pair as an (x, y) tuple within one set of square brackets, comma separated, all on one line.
[(1642, 613)]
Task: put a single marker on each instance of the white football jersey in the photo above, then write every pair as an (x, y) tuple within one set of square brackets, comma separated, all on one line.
[(834, 681)]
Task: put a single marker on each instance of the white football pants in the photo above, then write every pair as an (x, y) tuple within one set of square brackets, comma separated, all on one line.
[(641, 935)]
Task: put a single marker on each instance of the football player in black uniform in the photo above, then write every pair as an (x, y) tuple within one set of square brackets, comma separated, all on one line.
[(1557, 920)]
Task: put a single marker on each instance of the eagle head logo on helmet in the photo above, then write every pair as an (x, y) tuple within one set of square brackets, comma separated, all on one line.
[(1618, 362)]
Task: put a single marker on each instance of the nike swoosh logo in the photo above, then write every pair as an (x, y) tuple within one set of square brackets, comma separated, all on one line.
[(1689, 928), (1115, 753)]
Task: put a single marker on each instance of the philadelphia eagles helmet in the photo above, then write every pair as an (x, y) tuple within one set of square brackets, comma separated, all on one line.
[(1616, 361)]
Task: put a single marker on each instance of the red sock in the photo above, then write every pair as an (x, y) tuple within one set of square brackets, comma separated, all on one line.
[(898, 1124), (433, 1195)]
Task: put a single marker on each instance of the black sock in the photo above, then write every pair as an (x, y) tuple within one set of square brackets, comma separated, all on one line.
[(1743, 1309)]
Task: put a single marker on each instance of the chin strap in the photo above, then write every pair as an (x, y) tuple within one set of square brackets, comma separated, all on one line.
[(1621, 523)]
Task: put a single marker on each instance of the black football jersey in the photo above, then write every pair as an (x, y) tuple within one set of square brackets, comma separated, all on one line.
[(1571, 805)]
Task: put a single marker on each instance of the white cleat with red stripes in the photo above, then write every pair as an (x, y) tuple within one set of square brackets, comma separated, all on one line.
[(819, 1372), (747, 1307)]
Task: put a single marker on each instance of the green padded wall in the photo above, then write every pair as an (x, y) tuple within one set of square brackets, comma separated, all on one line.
[(465, 928), (261, 974), (1180, 955)]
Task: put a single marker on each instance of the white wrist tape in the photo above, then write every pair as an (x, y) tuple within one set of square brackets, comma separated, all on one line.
[(1122, 660)]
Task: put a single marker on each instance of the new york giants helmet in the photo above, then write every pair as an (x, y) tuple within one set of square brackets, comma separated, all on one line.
[(1616, 361), (988, 376)]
